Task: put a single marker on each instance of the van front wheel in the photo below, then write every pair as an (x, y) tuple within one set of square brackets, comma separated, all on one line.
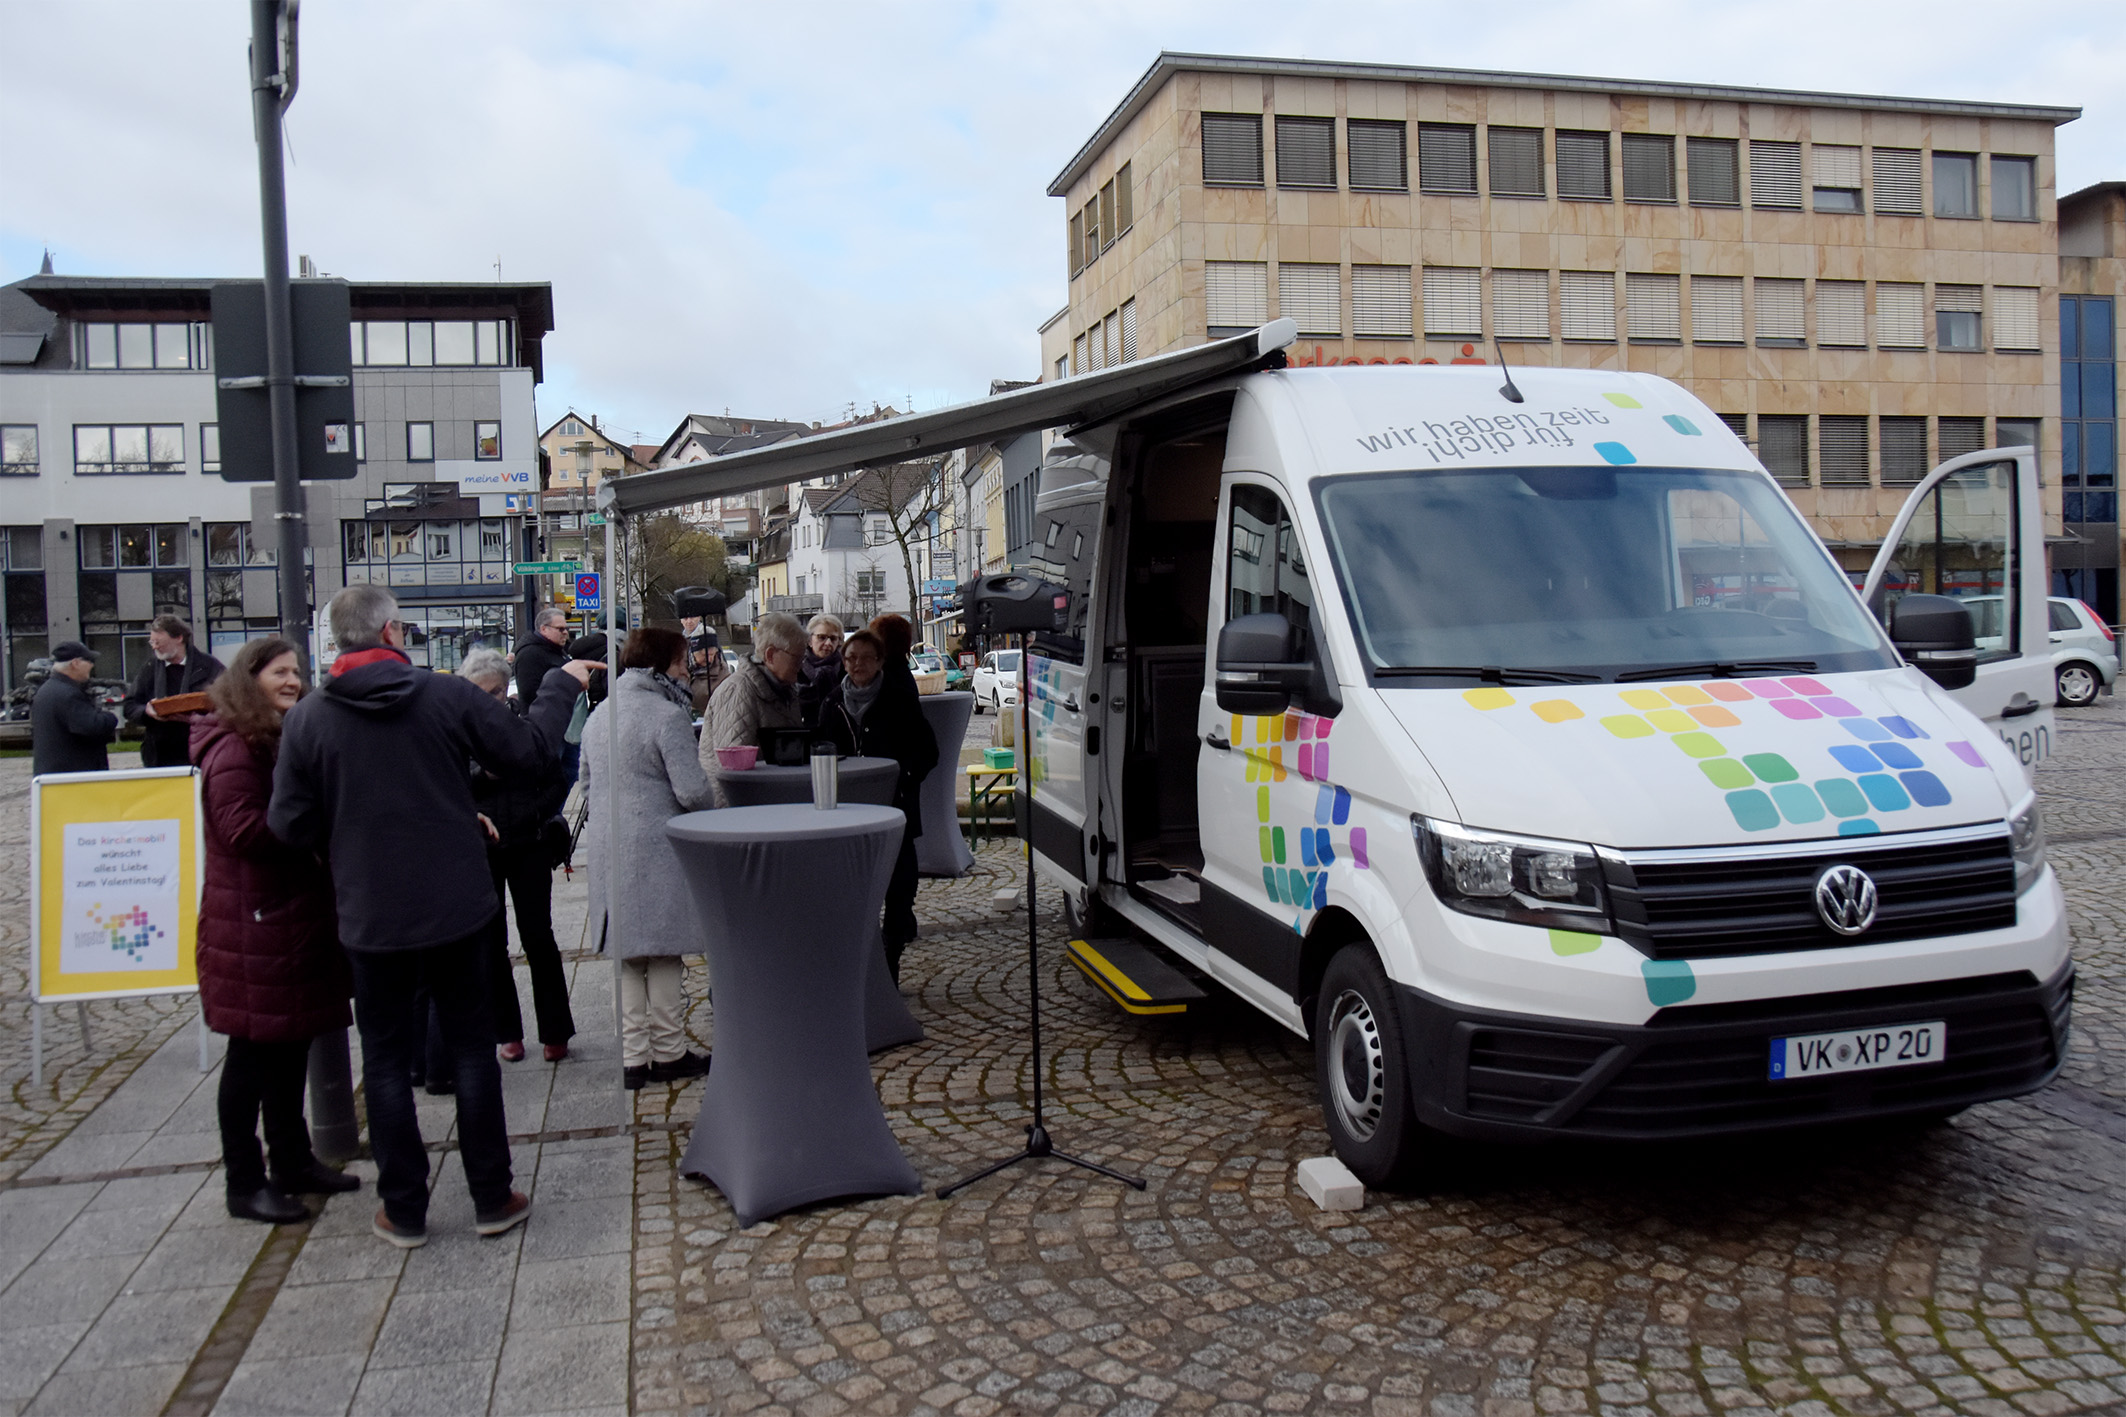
[(1361, 1067)]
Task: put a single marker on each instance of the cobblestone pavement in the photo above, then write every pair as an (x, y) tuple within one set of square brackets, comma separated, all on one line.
[(1977, 1266)]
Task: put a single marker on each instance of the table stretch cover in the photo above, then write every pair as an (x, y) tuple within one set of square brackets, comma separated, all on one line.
[(790, 899), (942, 850)]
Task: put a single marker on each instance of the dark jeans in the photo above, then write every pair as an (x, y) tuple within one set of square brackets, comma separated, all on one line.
[(524, 868), (900, 925), (263, 1078), (394, 1024)]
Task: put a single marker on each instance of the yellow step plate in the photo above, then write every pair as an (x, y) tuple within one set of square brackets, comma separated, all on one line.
[(1128, 972)]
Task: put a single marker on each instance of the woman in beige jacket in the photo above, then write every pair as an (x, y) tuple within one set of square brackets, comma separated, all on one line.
[(761, 694)]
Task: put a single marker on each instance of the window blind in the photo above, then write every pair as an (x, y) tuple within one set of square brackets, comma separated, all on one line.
[(1078, 355), (1453, 301), (1107, 215), (1957, 436), (1587, 305), (1520, 304), (1842, 314), (1715, 177), (1653, 307), (1446, 158), (1380, 300), (1236, 293), (2015, 317), (1306, 152), (1583, 164), (1900, 315), (1834, 165), (1779, 310), (1783, 446), (1232, 150), (1378, 155), (1842, 450), (1516, 161), (1071, 245), (1957, 297), (1311, 296), (1111, 328), (1094, 348), (1957, 312), (1125, 205), (1716, 309), (1649, 167), (1737, 424), (1897, 189), (1904, 450), (1775, 174), (1092, 231), (1129, 330)]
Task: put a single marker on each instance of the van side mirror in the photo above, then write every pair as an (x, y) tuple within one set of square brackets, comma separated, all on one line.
[(1259, 664), (1935, 635)]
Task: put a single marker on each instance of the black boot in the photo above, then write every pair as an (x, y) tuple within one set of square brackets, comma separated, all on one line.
[(267, 1204), (315, 1178)]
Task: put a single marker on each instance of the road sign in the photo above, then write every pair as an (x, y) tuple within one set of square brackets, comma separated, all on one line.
[(324, 394), (546, 568), (587, 590)]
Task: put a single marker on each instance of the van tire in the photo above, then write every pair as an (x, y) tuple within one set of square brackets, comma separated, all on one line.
[(2079, 684), (1362, 1072)]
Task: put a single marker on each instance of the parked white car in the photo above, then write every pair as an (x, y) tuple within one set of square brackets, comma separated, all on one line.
[(2085, 656), (996, 681)]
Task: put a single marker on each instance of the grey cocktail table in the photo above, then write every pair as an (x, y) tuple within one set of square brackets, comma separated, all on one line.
[(789, 898), (941, 850), (887, 1022)]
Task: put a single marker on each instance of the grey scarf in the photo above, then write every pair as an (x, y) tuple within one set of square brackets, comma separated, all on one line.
[(859, 700), (666, 685)]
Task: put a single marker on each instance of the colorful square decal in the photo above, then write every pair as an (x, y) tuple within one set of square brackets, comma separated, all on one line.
[(1836, 707), (1668, 981), (1897, 755), (1628, 725), (1670, 720), (1799, 709), (1714, 716), (1903, 727), (1643, 699), (1859, 827), (1968, 754), (1885, 793), (1805, 685), (1867, 730), (1681, 424), (1770, 767), (1623, 400), (1699, 745), (1798, 803), (1688, 694), (1487, 698), (1842, 797), (1753, 810), (1768, 688), (1573, 942), (1616, 453), (1728, 692), (1927, 790), (1855, 759), (1557, 710), (1726, 773)]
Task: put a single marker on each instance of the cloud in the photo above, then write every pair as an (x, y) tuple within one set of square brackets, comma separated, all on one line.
[(785, 209)]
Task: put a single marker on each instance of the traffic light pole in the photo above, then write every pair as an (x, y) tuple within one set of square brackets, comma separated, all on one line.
[(333, 1130)]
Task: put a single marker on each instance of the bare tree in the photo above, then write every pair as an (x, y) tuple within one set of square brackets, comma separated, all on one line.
[(663, 553), (909, 495)]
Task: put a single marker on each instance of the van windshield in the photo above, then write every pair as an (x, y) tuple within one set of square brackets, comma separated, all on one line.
[(1595, 573)]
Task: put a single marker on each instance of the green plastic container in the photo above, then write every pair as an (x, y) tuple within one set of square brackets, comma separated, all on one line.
[(1001, 757)]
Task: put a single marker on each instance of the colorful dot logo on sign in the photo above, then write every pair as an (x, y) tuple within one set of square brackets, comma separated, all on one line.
[(1573, 942), (1668, 981)]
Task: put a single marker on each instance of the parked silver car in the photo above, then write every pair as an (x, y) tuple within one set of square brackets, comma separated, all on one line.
[(2085, 656)]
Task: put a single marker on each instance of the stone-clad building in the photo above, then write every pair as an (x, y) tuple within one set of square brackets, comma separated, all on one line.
[(1861, 286)]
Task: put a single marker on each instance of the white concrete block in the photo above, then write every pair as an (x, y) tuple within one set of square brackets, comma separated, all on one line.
[(1330, 1184), (1006, 899)]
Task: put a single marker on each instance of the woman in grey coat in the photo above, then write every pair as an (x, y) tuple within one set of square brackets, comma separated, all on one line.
[(658, 778)]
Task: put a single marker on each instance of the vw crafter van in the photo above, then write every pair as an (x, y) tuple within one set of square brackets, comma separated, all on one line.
[(1514, 739)]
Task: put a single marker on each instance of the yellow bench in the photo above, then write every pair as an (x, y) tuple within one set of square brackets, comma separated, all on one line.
[(986, 786)]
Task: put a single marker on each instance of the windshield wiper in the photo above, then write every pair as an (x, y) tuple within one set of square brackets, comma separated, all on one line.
[(1488, 674), (1723, 669)]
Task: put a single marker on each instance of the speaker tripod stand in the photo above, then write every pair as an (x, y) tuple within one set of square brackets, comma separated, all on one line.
[(1039, 1146)]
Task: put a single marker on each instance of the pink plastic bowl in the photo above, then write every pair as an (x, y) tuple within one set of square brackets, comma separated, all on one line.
[(738, 759)]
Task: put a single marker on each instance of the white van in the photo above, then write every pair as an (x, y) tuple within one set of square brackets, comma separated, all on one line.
[(1518, 742)]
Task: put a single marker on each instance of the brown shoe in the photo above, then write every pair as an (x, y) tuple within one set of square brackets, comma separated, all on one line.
[(505, 1217), (555, 1052), (404, 1238), (512, 1052)]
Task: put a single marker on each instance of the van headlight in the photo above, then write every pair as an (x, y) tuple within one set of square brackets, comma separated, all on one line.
[(2026, 833), (1528, 880)]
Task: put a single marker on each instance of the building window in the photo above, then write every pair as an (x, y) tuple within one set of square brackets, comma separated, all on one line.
[(1306, 153), (1783, 446), (1072, 225), (1520, 304), (18, 450), (1649, 168), (1715, 172), (2089, 428), (22, 620), (1380, 301), (1454, 301), (2014, 188), (1587, 302), (1125, 204), (1078, 354), (1653, 309), (1129, 330), (229, 544), (1842, 314), (1111, 339), (1583, 165), (1716, 309), (1737, 424), (426, 343), (1956, 317), (361, 442), (1958, 436), (1089, 222), (420, 442), (1108, 229), (487, 440), (1093, 348), (1956, 184), (1897, 186), (1904, 450), (1062, 366), (571, 427), (1775, 175), (1780, 313), (2015, 432), (1232, 150), (210, 447), (1842, 450), (1834, 173), (1516, 161), (142, 346), (1900, 315), (1377, 155), (1311, 296), (2015, 318), (1446, 158), (129, 448), (1237, 295)]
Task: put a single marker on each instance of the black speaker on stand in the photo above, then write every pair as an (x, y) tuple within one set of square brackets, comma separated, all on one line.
[(1015, 604)]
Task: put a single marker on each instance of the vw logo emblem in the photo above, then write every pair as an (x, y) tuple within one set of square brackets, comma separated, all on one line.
[(1845, 898)]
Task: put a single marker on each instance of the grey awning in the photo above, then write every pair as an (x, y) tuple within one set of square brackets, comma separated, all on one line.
[(1087, 398)]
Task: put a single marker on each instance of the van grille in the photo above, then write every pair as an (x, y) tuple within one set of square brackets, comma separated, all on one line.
[(1745, 903), (1517, 1074)]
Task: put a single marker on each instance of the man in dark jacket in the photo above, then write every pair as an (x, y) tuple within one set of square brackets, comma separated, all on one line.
[(178, 667), (68, 728), (372, 776), (542, 652)]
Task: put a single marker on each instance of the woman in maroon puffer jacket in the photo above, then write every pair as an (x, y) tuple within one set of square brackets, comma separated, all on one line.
[(271, 975)]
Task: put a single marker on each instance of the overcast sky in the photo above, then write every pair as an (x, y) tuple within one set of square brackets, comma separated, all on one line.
[(784, 209)]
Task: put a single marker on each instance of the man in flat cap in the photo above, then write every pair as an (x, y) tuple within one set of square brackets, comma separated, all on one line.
[(68, 728)]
